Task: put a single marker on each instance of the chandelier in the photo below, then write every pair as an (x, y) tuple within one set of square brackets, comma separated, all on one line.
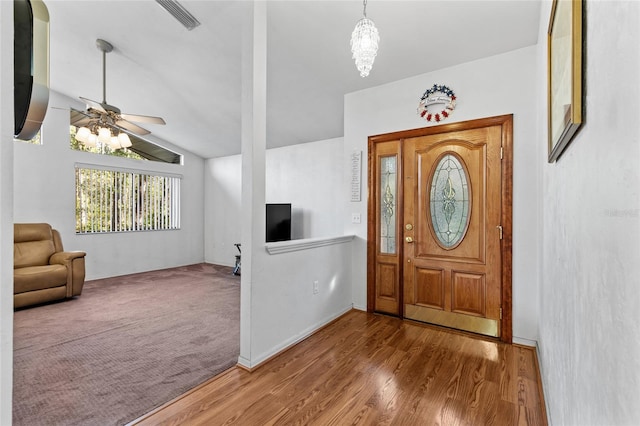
[(101, 132), (364, 43)]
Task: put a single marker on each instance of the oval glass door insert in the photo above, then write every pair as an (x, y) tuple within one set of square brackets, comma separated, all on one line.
[(450, 201)]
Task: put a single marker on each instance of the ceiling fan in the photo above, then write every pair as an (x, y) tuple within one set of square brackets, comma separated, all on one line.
[(102, 115)]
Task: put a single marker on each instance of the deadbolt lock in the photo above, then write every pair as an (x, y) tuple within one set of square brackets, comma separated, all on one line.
[(408, 227)]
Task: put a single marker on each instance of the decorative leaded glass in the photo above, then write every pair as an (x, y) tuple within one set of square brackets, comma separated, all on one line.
[(388, 203), (450, 203)]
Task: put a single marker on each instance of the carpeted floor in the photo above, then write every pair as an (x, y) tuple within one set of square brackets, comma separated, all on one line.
[(126, 346)]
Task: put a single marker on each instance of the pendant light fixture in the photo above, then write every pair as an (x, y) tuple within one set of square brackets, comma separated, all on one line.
[(364, 43)]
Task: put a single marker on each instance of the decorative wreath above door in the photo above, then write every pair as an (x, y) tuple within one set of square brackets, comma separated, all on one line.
[(438, 94)]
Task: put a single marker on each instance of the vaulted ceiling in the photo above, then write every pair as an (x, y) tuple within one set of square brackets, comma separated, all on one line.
[(192, 78)]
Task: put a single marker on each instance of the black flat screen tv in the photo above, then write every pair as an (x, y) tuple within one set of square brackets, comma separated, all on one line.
[(30, 66), (278, 222)]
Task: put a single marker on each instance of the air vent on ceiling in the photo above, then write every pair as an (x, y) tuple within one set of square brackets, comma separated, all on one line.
[(180, 13)]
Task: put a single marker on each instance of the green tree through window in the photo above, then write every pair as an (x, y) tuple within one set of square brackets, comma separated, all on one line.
[(120, 200)]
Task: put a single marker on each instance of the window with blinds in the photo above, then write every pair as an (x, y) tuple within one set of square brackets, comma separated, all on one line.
[(117, 200)]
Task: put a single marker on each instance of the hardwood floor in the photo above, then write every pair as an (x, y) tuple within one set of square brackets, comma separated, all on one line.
[(373, 370)]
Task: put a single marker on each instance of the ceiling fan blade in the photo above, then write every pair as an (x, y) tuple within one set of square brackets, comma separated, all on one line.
[(81, 122), (143, 118), (79, 118), (134, 128), (93, 104)]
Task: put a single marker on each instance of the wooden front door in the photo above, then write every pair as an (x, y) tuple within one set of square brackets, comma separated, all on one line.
[(449, 261)]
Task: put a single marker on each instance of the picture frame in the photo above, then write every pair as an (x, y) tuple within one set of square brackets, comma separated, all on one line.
[(564, 68)]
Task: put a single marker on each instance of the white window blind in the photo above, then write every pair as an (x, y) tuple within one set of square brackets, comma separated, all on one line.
[(119, 200)]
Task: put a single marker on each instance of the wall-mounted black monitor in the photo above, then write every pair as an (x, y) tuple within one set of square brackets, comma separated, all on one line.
[(278, 222), (31, 66)]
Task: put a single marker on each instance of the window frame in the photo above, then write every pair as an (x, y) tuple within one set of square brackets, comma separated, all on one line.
[(158, 214)]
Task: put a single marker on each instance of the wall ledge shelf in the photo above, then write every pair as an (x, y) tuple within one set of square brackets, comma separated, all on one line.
[(305, 244)]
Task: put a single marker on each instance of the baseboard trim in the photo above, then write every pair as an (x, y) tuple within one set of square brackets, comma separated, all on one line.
[(246, 365), (524, 342), (542, 386), (243, 362)]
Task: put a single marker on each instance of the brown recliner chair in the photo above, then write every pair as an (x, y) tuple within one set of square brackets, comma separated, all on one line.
[(42, 270)]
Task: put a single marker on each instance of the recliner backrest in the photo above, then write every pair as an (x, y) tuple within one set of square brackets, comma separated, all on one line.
[(33, 244)]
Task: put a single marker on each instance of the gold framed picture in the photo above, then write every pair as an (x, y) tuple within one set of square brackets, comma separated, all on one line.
[(564, 68)]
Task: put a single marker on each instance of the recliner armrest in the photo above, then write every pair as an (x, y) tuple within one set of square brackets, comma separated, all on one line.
[(65, 256), (74, 262)]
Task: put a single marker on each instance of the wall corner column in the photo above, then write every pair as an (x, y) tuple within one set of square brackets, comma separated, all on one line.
[(6, 211), (253, 135)]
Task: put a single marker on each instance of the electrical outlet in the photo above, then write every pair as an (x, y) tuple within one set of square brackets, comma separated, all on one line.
[(316, 289), (355, 217)]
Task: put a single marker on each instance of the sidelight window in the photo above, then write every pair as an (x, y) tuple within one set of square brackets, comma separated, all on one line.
[(388, 204)]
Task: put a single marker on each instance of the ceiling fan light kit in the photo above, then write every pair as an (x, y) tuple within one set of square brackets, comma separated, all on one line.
[(104, 136), (104, 124), (364, 43)]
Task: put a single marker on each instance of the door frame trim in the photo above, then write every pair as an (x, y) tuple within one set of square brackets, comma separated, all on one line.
[(506, 244)]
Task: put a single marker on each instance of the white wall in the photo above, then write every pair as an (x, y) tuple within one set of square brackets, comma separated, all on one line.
[(285, 309), (488, 87), (307, 175), (590, 281), (44, 183), (222, 200), (6, 211)]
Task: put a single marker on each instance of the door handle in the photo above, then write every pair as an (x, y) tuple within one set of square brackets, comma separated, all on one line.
[(409, 239)]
